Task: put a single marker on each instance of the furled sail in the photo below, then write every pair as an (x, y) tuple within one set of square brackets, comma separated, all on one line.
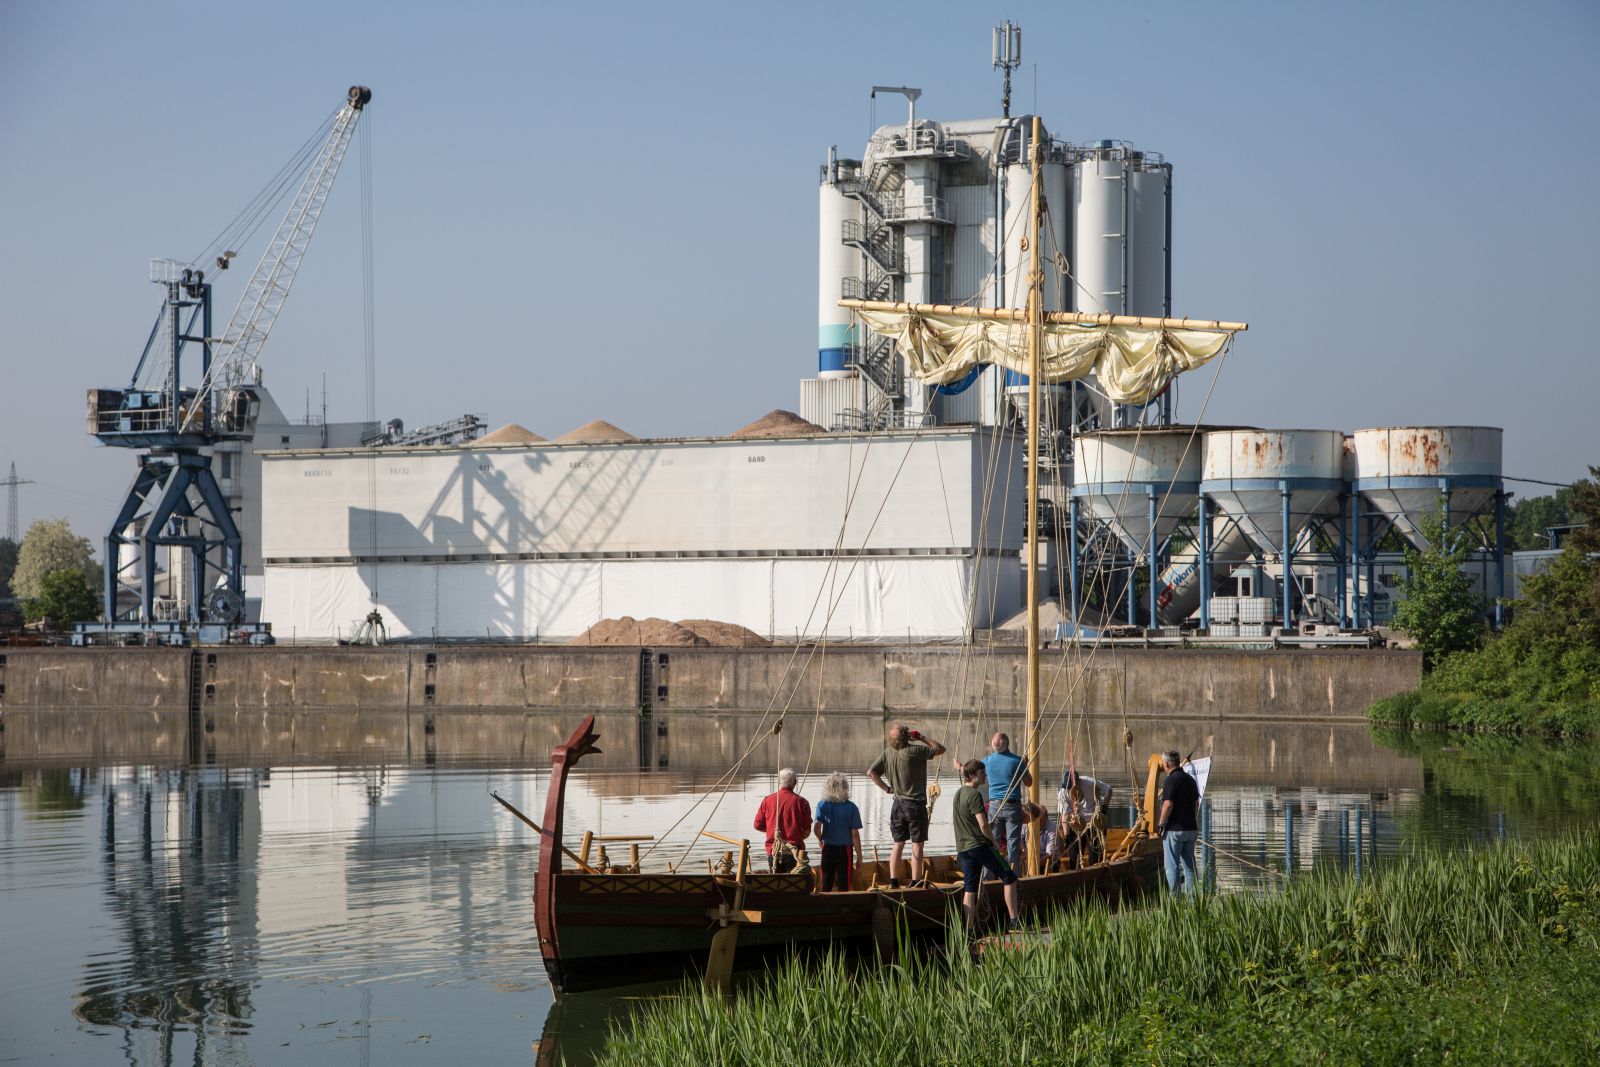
[(1132, 357)]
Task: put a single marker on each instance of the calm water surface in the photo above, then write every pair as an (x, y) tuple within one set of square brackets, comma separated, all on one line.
[(348, 892)]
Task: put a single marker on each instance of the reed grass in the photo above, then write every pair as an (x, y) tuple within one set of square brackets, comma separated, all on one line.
[(1109, 986)]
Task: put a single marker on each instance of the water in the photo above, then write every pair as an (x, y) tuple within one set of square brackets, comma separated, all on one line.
[(347, 892)]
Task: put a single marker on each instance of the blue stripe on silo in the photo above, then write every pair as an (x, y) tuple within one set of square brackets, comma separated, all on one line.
[(833, 342), (1015, 379)]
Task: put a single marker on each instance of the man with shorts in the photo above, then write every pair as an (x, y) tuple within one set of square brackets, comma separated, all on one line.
[(905, 762), (975, 849)]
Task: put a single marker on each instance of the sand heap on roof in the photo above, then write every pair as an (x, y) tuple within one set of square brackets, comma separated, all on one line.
[(510, 434), (778, 423), (690, 633), (724, 634), (597, 431), (631, 631)]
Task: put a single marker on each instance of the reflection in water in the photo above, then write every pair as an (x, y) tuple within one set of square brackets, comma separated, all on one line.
[(368, 901), (177, 866)]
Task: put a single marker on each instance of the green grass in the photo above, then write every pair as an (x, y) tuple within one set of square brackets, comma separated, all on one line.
[(1441, 956)]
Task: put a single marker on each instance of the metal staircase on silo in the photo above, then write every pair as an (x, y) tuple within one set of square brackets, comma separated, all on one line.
[(883, 258)]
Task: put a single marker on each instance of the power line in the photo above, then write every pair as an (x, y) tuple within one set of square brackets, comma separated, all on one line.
[(11, 502)]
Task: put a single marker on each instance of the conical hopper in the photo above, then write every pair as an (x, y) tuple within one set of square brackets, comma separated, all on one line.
[(1245, 473), (1405, 472), (1116, 474)]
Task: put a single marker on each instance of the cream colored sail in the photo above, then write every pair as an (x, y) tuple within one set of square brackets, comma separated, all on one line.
[(1133, 358)]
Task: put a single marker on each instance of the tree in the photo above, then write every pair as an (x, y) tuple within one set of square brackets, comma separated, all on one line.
[(50, 545), (8, 564), (1529, 519), (65, 596), (1440, 611)]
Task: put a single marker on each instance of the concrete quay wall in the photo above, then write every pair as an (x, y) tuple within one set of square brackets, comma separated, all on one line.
[(912, 682), (1278, 685)]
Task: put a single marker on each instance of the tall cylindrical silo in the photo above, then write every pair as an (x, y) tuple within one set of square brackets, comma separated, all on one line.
[(1099, 245), (1149, 188), (836, 261)]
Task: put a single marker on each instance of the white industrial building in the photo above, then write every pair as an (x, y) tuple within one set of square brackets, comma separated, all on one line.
[(855, 537)]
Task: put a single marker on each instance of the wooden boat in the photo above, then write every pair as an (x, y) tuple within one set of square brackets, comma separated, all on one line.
[(605, 929), (611, 927)]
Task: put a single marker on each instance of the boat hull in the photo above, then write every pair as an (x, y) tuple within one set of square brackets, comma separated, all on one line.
[(616, 929)]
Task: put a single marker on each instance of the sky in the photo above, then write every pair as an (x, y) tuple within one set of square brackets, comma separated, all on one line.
[(610, 212)]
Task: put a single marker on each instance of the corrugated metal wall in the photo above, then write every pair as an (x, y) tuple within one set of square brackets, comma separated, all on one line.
[(973, 253)]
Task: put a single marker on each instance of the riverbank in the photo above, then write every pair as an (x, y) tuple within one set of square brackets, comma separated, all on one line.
[(1490, 956), (873, 681)]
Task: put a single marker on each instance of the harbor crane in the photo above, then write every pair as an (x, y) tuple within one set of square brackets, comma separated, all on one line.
[(174, 503)]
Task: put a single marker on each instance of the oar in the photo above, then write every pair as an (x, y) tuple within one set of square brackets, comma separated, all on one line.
[(719, 963), (571, 855)]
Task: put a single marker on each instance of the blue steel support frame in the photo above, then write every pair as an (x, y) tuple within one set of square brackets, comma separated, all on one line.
[(1072, 559), (1152, 553), (1355, 560), (1499, 558), (1339, 563), (1287, 555), (1203, 539), (1133, 568)]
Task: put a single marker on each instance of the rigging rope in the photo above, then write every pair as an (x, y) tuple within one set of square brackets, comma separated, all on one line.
[(369, 349)]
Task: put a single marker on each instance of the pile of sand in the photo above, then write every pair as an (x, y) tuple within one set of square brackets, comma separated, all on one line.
[(631, 631), (690, 633), (510, 434), (724, 634), (596, 432), (778, 423)]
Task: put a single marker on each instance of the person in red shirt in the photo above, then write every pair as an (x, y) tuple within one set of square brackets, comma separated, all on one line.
[(788, 814)]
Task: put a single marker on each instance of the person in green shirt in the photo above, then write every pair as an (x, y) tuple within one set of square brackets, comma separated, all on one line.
[(905, 761), (975, 849)]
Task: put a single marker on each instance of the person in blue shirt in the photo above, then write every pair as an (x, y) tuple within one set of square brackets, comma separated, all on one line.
[(838, 828), (1008, 775)]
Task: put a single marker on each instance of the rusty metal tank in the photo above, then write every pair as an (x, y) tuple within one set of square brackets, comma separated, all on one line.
[(1250, 474), (1407, 472)]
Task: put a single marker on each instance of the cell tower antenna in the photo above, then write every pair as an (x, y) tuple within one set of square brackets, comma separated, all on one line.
[(11, 484), (1007, 57)]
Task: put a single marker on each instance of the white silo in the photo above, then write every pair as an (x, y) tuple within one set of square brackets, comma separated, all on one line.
[(1275, 483), (1140, 483), (1099, 231), (1406, 472), (836, 261), (1149, 235)]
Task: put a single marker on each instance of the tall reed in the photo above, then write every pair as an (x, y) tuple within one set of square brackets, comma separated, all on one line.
[(1423, 917)]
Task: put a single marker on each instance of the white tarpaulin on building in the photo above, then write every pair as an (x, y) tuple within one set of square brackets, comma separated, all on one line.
[(876, 597)]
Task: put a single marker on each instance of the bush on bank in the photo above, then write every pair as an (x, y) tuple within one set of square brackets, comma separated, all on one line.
[(1541, 674), (1401, 968)]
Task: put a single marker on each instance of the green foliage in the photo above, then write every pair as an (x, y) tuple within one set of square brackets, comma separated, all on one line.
[(1584, 503), (50, 545), (8, 565), (65, 596), (1542, 673), (1440, 611), (1286, 976), (1527, 520)]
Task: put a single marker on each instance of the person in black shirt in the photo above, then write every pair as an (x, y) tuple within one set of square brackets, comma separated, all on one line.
[(1178, 824)]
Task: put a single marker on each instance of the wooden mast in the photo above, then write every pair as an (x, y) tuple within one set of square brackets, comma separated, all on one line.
[(1035, 325)]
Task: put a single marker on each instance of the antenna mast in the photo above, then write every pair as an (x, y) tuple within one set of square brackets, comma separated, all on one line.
[(11, 484), (1007, 57)]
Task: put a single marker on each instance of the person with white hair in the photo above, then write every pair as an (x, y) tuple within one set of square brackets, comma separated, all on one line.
[(784, 815), (838, 829)]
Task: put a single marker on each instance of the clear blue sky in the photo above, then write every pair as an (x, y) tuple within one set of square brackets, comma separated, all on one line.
[(611, 212)]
